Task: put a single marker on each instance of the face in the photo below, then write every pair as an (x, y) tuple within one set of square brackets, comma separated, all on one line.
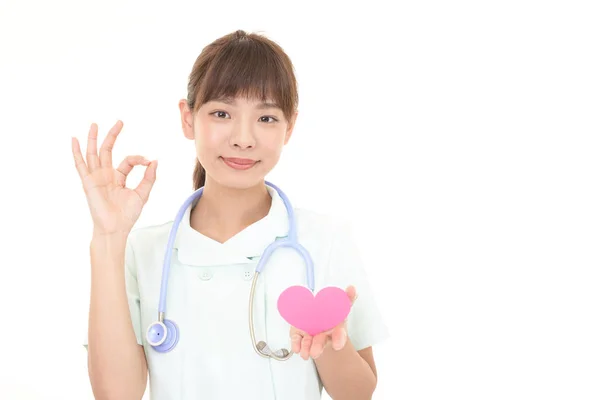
[(238, 141)]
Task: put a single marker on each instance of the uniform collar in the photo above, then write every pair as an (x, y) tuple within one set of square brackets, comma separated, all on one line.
[(193, 248)]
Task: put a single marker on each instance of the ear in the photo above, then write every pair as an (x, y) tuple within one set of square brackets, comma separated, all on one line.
[(290, 129), (187, 119)]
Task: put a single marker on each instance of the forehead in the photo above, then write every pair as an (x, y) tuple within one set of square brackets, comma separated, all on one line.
[(248, 101)]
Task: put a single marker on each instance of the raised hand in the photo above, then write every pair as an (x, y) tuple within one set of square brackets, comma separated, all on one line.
[(114, 207), (313, 346)]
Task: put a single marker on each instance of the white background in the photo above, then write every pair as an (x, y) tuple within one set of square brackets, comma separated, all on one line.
[(462, 138)]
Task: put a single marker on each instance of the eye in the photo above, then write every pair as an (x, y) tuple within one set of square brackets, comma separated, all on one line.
[(266, 119), (220, 114)]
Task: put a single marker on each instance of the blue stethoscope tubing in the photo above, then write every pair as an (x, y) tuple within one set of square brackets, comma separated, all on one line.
[(163, 334)]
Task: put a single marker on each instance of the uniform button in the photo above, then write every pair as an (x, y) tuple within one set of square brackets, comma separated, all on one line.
[(206, 275), (248, 275)]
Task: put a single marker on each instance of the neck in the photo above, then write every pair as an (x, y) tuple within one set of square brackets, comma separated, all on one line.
[(222, 212)]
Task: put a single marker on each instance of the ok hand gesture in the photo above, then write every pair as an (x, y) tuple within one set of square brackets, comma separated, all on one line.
[(114, 207)]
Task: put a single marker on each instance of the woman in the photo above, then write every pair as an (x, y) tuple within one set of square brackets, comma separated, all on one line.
[(240, 111)]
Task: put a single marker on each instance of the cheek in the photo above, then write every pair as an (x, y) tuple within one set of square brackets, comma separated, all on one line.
[(208, 137), (275, 142)]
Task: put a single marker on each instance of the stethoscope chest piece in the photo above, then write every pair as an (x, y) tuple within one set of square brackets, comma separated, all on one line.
[(163, 335)]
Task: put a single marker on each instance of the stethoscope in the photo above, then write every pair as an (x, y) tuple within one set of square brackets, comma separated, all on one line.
[(163, 334)]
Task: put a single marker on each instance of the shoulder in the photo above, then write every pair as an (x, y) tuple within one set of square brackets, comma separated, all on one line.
[(150, 234), (326, 236), (311, 222), (145, 244), (145, 250)]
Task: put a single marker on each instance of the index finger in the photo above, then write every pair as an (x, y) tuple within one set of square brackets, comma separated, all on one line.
[(82, 168), (108, 144)]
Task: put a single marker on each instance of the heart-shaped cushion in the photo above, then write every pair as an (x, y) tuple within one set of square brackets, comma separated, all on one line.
[(314, 314)]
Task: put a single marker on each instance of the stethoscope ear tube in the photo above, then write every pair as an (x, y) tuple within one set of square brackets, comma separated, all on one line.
[(163, 335)]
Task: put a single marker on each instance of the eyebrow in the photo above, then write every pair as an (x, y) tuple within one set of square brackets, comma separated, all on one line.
[(261, 106)]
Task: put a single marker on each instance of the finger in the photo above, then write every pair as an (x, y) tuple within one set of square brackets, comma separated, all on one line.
[(145, 186), (318, 345), (305, 347), (296, 341), (351, 292), (108, 144), (91, 153), (127, 165), (338, 338), (296, 336), (82, 168)]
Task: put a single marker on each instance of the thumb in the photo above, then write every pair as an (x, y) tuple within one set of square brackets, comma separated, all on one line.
[(145, 186), (351, 292)]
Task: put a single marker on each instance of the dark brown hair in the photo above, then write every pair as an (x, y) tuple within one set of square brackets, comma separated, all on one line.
[(242, 64)]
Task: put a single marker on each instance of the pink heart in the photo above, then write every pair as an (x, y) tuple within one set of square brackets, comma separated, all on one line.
[(314, 314)]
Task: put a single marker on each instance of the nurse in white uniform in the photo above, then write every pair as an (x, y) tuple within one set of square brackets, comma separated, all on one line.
[(171, 302)]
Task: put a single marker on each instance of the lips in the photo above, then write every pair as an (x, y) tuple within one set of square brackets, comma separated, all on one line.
[(242, 161), (239, 163)]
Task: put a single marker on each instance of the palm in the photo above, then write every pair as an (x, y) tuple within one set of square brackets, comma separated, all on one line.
[(313, 346), (113, 206)]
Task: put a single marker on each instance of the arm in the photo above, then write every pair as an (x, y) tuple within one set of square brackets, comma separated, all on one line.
[(116, 363), (345, 372), (348, 374)]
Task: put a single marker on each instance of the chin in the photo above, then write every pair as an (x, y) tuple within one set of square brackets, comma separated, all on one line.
[(241, 181)]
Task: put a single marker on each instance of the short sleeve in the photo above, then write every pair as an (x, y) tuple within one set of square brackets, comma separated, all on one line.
[(365, 324), (133, 293)]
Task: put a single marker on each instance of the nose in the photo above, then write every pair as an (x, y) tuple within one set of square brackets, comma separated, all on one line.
[(243, 136)]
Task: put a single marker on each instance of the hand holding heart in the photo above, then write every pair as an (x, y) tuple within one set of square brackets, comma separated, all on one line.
[(316, 321)]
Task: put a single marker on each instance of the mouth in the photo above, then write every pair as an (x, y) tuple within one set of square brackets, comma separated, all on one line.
[(239, 163)]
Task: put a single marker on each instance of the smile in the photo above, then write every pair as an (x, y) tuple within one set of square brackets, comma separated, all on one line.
[(239, 163)]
